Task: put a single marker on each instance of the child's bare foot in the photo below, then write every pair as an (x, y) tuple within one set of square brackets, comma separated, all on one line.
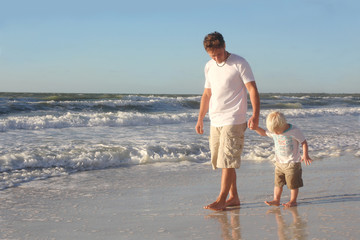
[(234, 202), (289, 204), (273, 203), (216, 206)]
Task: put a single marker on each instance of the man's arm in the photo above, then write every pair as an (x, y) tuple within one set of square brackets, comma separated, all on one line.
[(204, 107), (255, 102)]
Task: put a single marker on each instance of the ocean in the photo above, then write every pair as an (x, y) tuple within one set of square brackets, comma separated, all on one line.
[(45, 135)]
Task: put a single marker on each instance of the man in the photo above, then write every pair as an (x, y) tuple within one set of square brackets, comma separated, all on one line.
[(227, 77)]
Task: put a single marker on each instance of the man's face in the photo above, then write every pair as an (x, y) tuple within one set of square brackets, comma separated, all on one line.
[(217, 54)]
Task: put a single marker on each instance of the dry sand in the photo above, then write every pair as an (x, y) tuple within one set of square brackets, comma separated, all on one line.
[(165, 202)]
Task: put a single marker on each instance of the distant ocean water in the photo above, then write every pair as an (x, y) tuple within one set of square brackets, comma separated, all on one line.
[(45, 135)]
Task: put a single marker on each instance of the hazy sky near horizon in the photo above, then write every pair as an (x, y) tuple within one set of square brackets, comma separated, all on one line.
[(155, 46)]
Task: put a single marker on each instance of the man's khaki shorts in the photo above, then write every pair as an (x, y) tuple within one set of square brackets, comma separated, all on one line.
[(226, 145), (288, 174)]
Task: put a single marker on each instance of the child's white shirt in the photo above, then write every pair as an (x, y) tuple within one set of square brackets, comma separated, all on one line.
[(287, 144)]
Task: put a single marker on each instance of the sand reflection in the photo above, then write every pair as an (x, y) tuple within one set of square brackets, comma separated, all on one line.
[(294, 229), (229, 222)]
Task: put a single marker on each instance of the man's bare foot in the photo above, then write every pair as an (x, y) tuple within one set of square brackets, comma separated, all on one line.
[(233, 202), (272, 203), (210, 205), (216, 206), (289, 204)]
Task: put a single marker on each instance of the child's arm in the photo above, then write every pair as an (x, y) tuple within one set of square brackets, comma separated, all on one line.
[(260, 131), (305, 157)]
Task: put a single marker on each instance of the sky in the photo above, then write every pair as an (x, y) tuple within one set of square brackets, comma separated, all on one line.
[(155, 47)]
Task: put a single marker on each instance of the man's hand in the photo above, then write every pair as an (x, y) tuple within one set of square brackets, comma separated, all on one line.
[(200, 127), (253, 123)]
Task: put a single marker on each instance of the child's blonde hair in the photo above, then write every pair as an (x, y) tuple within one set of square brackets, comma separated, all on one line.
[(275, 121)]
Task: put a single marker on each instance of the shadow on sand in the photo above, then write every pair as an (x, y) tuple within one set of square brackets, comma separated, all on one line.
[(330, 199)]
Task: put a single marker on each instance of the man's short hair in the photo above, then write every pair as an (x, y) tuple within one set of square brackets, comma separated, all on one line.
[(213, 41)]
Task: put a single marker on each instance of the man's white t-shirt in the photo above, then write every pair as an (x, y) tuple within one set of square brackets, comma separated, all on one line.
[(287, 144), (228, 102)]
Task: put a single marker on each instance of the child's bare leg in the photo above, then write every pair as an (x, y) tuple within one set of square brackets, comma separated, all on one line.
[(293, 197), (277, 196)]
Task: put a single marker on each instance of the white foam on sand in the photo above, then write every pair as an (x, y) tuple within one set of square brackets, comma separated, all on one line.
[(165, 202)]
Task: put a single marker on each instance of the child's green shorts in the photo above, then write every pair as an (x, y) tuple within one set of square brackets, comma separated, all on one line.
[(289, 174)]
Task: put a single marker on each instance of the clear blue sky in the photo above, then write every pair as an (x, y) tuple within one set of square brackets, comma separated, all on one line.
[(156, 46)]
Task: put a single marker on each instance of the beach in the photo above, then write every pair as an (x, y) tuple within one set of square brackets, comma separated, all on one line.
[(163, 202), (119, 166)]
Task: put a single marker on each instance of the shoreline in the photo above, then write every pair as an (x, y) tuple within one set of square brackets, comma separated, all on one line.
[(165, 202)]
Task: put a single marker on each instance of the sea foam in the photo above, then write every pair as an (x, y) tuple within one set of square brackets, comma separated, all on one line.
[(48, 135), (118, 119)]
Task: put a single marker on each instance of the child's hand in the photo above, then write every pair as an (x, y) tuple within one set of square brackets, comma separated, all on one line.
[(306, 159), (260, 131), (305, 156)]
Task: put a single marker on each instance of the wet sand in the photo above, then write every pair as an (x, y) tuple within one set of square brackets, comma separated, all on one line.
[(166, 202)]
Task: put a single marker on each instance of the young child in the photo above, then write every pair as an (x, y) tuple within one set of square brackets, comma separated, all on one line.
[(287, 139)]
